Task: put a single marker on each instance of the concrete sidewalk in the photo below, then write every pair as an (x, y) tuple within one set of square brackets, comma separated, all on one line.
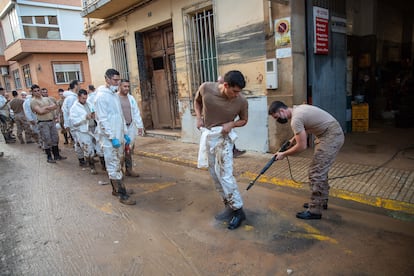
[(385, 187)]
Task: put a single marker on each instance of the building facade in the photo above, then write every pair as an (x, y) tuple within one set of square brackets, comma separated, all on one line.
[(294, 51), (42, 43)]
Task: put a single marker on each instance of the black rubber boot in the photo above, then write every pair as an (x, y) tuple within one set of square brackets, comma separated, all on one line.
[(122, 194), (65, 135), (49, 156), (92, 165), (56, 154), (102, 160), (237, 219), (226, 214), (82, 162), (128, 166)]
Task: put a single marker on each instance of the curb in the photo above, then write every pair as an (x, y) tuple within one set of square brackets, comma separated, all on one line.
[(388, 204)]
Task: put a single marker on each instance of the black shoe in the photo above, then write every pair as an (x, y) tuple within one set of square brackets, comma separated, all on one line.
[(225, 215), (237, 219), (308, 215), (324, 205)]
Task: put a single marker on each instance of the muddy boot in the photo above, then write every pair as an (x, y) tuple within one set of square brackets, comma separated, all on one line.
[(122, 193), (237, 219), (226, 213), (102, 160), (65, 135), (56, 154), (49, 156), (128, 166), (82, 162), (9, 139), (92, 165), (115, 189)]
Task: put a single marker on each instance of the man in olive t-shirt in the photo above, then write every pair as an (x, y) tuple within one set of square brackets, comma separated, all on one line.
[(308, 119), (218, 105)]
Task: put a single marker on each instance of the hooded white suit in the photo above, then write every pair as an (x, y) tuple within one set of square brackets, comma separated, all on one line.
[(79, 123), (111, 125)]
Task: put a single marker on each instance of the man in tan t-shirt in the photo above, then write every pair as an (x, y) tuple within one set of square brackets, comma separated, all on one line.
[(330, 138), (217, 105), (44, 108)]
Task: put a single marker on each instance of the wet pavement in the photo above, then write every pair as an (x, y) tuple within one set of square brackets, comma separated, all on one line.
[(375, 168)]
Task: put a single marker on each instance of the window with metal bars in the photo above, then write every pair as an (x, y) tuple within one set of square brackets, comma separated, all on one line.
[(201, 48), (16, 77), (119, 57), (27, 75)]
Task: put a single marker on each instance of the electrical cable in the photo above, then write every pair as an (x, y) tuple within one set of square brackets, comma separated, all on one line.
[(359, 173)]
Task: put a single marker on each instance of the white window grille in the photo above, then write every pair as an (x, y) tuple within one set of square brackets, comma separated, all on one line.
[(67, 72), (201, 48), (119, 57), (16, 77), (41, 27)]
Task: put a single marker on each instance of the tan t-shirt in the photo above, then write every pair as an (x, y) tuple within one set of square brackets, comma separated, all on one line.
[(42, 102), (126, 109), (16, 105), (310, 118), (217, 109)]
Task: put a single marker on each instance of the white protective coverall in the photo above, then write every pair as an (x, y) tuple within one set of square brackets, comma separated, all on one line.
[(216, 153), (111, 125), (70, 99), (31, 117), (80, 124), (136, 120)]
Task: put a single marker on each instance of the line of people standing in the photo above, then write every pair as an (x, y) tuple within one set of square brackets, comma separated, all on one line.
[(104, 123)]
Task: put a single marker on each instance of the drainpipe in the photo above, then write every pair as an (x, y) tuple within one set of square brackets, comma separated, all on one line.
[(270, 17)]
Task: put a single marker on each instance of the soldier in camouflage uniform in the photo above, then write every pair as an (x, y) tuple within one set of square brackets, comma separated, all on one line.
[(308, 119)]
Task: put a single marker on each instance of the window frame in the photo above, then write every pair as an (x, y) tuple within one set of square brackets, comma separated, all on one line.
[(17, 79), (34, 24), (66, 74), (27, 75)]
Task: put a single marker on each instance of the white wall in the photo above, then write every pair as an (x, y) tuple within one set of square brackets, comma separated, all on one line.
[(253, 136)]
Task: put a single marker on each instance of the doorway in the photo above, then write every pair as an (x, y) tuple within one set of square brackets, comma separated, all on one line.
[(161, 78)]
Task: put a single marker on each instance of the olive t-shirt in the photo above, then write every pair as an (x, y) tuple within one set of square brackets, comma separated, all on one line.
[(42, 102), (310, 118), (217, 109)]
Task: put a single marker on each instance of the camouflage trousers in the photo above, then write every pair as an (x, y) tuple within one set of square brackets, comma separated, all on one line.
[(22, 125), (327, 147), (6, 125)]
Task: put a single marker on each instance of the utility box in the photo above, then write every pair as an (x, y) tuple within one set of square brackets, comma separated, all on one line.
[(271, 74)]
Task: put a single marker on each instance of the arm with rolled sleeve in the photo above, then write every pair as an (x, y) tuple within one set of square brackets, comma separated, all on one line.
[(136, 115)]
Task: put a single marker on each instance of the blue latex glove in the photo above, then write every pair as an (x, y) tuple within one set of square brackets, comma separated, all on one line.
[(127, 139), (116, 143)]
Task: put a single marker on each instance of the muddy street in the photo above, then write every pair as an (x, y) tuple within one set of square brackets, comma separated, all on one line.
[(57, 220)]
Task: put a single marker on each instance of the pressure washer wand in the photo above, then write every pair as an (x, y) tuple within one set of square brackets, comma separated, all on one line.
[(284, 147)]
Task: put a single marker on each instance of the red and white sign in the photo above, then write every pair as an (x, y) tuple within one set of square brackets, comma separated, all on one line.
[(321, 30)]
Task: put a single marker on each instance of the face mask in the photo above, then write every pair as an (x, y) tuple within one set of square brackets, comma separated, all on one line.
[(282, 120), (113, 88)]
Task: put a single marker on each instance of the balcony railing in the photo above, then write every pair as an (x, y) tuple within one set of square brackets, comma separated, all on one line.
[(104, 9)]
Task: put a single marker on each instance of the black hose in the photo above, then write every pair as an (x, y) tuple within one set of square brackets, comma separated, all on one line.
[(363, 172)]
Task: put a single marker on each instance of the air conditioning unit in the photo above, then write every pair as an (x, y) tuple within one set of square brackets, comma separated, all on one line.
[(4, 71)]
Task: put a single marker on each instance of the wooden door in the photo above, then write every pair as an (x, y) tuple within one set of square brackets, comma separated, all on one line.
[(164, 103)]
